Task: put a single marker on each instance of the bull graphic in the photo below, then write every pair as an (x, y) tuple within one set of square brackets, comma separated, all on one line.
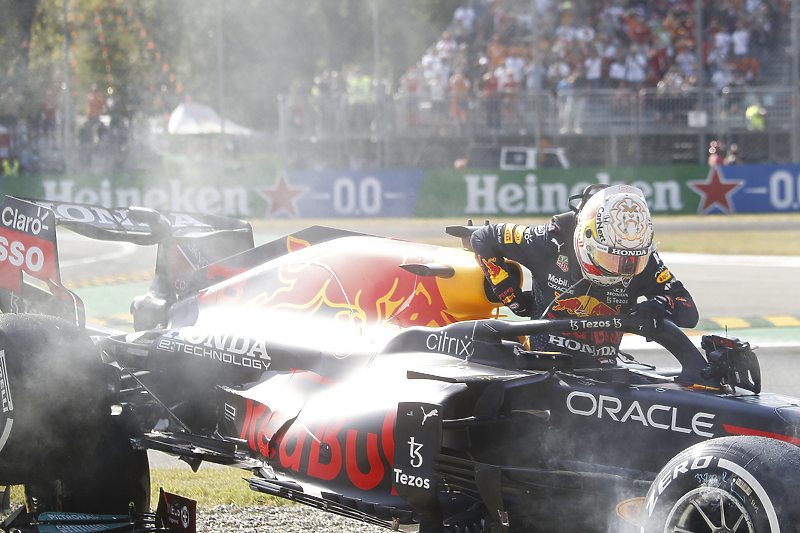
[(585, 306)]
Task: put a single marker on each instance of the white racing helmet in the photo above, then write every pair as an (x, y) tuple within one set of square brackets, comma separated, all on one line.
[(613, 235)]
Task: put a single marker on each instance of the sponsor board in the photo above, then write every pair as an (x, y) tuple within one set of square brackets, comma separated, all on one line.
[(351, 194), (546, 192), (427, 193), (686, 189), (749, 189)]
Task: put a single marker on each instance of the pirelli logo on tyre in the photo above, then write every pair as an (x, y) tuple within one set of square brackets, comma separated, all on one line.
[(5, 393)]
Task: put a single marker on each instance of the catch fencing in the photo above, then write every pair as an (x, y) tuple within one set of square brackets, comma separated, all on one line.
[(618, 126), (599, 111)]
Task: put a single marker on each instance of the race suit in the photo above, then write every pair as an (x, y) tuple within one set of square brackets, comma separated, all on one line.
[(559, 291)]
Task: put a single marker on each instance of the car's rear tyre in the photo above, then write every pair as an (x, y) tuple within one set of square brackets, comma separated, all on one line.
[(58, 437), (742, 484), (54, 392), (113, 478)]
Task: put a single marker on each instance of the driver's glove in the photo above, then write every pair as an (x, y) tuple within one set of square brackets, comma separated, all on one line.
[(520, 302), (650, 316)]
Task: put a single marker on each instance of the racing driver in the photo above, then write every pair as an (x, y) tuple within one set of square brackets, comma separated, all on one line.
[(595, 260)]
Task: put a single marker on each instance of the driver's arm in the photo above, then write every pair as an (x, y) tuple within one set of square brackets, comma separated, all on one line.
[(662, 288), (491, 249)]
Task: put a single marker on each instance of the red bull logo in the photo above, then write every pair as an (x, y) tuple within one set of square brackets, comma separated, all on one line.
[(585, 306), (496, 274), (348, 280), (507, 296), (326, 449)]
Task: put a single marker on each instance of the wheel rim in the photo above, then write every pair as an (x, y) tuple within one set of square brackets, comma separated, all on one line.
[(708, 509)]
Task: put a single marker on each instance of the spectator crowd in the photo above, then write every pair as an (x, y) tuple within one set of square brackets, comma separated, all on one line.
[(494, 50), (504, 46)]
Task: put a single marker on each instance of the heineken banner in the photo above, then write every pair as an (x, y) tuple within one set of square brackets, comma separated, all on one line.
[(470, 193), (668, 189)]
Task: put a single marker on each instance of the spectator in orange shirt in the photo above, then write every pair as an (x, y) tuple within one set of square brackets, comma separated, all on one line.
[(492, 99), (95, 104), (459, 103), (495, 51)]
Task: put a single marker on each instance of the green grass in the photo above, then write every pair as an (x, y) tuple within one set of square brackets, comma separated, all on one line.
[(210, 487), (17, 496)]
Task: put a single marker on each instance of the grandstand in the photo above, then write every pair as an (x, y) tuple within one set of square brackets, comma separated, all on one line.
[(667, 115)]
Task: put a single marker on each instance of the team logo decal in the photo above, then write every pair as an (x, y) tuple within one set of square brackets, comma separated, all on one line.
[(414, 453), (496, 274), (425, 415), (585, 306)]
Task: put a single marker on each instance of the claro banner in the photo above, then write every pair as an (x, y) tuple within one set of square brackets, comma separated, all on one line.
[(470, 193)]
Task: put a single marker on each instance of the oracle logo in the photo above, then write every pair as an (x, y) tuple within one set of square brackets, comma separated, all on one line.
[(16, 254)]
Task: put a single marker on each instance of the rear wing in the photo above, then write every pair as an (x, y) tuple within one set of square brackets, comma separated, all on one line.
[(28, 251), (138, 225), (30, 278)]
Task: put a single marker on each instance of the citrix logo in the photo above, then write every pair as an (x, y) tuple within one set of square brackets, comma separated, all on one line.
[(444, 343)]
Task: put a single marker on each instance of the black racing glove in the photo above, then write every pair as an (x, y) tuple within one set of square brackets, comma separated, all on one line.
[(520, 302), (650, 316)]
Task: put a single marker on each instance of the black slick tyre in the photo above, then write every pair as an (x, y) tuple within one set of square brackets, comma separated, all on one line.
[(741, 484), (58, 437), (111, 480), (55, 397)]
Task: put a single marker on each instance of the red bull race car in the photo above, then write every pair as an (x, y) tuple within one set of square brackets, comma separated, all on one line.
[(369, 377)]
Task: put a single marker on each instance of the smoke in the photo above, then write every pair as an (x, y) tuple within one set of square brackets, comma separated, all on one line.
[(59, 387)]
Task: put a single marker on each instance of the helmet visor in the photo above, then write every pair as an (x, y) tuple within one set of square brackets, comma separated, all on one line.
[(618, 261)]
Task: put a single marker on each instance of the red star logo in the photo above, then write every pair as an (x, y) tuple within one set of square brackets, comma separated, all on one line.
[(281, 197), (715, 191)]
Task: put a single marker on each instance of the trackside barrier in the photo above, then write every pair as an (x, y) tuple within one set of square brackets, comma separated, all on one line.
[(472, 193)]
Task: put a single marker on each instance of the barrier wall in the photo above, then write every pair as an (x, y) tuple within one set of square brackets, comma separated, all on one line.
[(472, 193)]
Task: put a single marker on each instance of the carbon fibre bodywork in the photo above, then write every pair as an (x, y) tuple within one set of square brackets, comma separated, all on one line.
[(375, 378)]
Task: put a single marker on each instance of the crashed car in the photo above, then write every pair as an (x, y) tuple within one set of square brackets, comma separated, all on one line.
[(370, 377)]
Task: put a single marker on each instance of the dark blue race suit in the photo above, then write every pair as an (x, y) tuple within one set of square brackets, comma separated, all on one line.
[(559, 290)]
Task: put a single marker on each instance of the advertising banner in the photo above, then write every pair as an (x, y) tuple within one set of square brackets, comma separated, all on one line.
[(489, 193), (677, 189), (467, 193), (749, 189), (351, 194)]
